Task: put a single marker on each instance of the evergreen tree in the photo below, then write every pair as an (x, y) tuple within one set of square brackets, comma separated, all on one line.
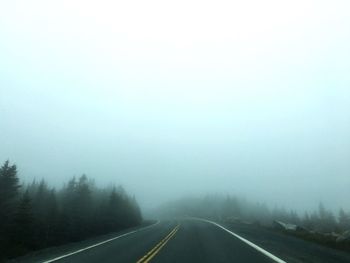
[(22, 229), (84, 207), (41, 216), (9, 186)]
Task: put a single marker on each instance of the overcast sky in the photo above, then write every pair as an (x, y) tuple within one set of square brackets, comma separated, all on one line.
[(174, 98)]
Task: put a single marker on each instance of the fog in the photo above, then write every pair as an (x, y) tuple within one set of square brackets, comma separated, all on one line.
[(180, 99)]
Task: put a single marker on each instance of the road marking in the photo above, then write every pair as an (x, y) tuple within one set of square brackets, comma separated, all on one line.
[(261, 250), (154, 251), (99, 244)]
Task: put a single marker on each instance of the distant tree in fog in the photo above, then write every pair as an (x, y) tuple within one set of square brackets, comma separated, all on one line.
[(230, 208), (307, 222), (326, 222), (344, 220), (233, 208)]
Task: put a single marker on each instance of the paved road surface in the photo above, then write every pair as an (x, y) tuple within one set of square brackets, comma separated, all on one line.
[(170, 241)]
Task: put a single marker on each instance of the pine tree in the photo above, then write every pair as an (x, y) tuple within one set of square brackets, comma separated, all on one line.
[(115, 210), (9, 186), (22, 237), (42, 217)]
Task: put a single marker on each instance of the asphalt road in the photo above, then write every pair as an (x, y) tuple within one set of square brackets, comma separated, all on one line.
[(168, 241)]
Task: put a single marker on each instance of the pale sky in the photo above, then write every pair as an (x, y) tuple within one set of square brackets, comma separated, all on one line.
[(173, 98)]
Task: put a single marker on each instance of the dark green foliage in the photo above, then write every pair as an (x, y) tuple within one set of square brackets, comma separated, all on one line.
[(9, 186), (40, 216), (21, 236)]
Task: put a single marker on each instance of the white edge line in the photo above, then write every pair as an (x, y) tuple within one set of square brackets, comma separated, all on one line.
[(261, 250), (98, 244)]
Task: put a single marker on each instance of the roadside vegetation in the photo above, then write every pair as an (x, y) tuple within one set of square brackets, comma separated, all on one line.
[(35, 216)]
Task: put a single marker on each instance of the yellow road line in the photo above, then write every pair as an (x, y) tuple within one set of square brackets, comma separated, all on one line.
[(162, 245), (146, 258)]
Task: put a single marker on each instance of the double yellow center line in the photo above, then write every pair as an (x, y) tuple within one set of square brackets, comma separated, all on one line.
[(154, 251)]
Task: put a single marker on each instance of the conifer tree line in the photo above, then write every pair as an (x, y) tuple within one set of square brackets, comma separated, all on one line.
[(233, 208), (36, 216)]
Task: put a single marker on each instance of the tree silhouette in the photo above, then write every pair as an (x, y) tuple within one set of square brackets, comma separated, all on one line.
[(41, 216)]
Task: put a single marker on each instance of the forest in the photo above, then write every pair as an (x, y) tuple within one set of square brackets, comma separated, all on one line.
[(233, 208), (35, 216)]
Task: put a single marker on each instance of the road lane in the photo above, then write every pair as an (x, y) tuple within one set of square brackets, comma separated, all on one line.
[(170, 241), (198, 241), (80, 250), (154, 251), (249, 243), (127, 249), (190, 240)]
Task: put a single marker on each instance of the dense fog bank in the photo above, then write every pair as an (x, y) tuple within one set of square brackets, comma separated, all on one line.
[(234, 208)]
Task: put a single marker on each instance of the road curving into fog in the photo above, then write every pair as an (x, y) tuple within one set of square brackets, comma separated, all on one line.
[(185, 240)]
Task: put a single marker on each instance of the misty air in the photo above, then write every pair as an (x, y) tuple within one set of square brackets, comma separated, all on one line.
[(174, 131)]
